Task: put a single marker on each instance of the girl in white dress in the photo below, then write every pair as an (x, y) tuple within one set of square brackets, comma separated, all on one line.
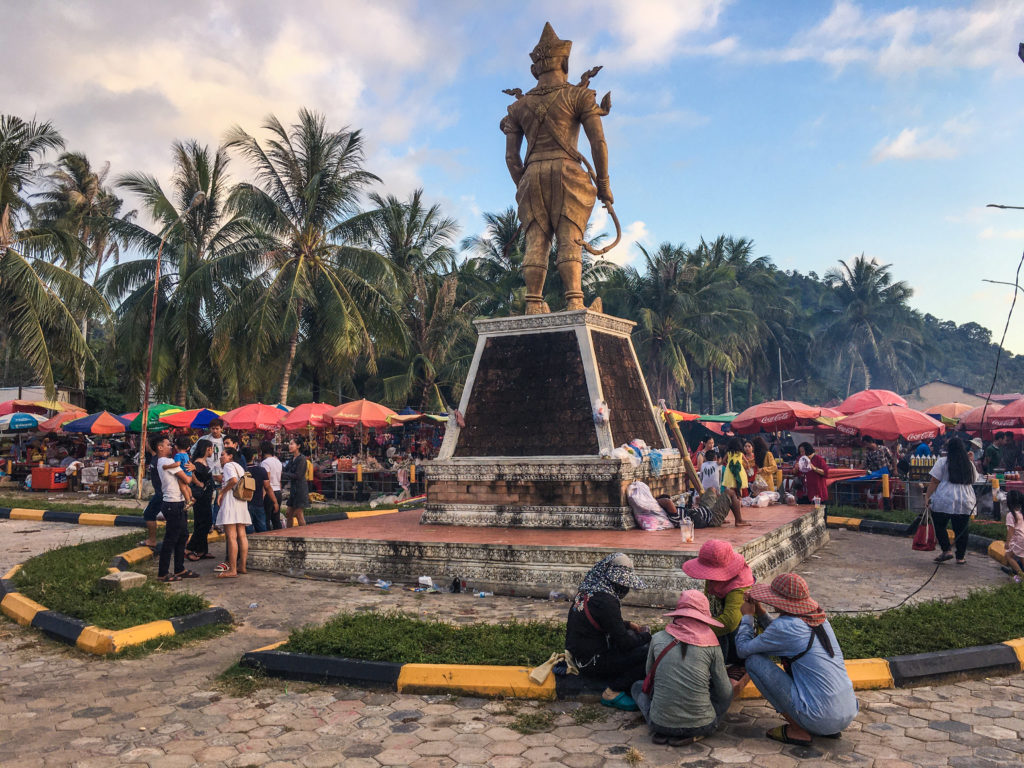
[(233, 516)]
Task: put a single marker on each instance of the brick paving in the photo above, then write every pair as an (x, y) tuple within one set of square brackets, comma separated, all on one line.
[(59, 707)]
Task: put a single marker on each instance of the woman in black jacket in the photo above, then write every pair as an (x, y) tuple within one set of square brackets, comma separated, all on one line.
[(601, 643), (298, 494)]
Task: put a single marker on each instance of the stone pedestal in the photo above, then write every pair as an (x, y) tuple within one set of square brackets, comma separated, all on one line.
[(530, 453)]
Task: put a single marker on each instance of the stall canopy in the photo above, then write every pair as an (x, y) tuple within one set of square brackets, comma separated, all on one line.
[(306, 416), (721, 418), (869, 398), (195, 418), (19, 406), (681, 415), (774, 416), (256, 416), (156, 414), (948, 410), (54, 423), (102, 423), (971, 420), (1011, 415), (891, 422), (20, 422), (361, 412)]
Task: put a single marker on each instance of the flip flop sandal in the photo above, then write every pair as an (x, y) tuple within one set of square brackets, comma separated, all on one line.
[(943, 557), (682, 741), (781, 733), (168, 579), (961, 562), (187, 575), (144, 544), (622, 701), (221, 568), (192, 557)]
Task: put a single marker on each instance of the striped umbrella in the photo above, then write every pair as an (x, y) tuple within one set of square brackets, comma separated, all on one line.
[(54, 423), (196, 418), (155, 422), (102, 423), (20, 422)]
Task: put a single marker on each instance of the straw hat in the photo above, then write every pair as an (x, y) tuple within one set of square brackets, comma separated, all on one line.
[(716, 561), (788, 593), (976, 442)]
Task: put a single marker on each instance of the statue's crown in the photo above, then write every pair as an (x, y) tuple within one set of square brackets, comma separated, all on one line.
[(550, 46)]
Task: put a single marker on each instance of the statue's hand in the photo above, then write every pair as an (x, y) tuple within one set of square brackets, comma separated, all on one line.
[(604, 191)]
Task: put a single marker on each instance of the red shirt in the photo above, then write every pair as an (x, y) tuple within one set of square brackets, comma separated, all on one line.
[(814, 484)]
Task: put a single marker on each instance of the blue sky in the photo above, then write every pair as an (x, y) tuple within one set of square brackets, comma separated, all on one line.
[(819, 130)]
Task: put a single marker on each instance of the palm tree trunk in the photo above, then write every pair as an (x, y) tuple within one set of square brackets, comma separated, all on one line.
[(80, 373), (315, 384), (750, 387), (701, 409), (711, 389), (849, 379), (293, 345)]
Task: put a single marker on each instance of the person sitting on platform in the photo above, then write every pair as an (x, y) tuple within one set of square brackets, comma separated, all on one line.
[(710, 509), (601, 643), (727, 579), (812, 691), (686, 690)]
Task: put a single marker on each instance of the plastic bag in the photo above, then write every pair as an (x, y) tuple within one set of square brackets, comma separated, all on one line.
[(646, 510), (656, 460), (758, 486), (623, 452), (600, 411)]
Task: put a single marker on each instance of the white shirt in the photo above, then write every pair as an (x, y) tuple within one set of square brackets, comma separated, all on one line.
[(952, 498), (273, 466), (168, 481), (710, 475), (218, 451)]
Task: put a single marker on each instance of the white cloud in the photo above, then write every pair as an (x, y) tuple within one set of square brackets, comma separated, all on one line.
[(632, 233), (991, 233), (910, 145)]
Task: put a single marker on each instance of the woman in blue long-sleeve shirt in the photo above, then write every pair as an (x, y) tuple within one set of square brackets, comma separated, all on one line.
[(814, 694)]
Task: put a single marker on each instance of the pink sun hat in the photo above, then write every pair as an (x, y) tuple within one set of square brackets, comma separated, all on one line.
[(692, 620), (716, 561)]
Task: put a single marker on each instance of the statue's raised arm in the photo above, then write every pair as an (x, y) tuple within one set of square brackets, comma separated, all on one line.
[(556, 187)]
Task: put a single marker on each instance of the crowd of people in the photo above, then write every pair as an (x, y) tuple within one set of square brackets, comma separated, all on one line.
[(683, 678), (236, 489)]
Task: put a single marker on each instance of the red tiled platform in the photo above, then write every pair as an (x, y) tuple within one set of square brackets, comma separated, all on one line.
[(530, 561)]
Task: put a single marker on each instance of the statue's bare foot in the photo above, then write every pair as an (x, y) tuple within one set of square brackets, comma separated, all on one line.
[(597, 305), (572, 304), (537, 308)]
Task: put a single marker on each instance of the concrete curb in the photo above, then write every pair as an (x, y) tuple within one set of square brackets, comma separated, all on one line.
[(975, 543), (136, 521)]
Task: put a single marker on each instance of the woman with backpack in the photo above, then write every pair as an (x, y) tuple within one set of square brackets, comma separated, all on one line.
[(812, 691), (295, 472), (951, 496), (686, 690), (233, 515)]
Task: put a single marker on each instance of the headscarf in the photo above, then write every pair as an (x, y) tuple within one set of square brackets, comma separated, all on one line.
[(614, 570), (741, 580)]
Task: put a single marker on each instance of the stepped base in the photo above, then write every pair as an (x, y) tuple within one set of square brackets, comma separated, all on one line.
[(533, 563)]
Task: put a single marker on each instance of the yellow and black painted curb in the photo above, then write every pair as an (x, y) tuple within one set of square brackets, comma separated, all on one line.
[(514, 682), (90, 638), (975, 543)]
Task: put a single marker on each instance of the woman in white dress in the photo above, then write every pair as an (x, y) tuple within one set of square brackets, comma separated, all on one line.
[(233, 517)]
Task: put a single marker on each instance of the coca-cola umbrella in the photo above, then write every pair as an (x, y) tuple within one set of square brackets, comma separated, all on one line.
[(1011, 415), (256, 416), (891, 422), (773, 416), (306, 416), (869, 398)]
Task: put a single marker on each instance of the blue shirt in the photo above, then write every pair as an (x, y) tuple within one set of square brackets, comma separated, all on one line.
[(822, 691), (183, 459)]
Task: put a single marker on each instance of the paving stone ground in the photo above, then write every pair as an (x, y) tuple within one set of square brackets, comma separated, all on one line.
[(59, 707)]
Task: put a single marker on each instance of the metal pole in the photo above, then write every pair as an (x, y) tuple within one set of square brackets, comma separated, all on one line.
[(149, 372), (780, 373)]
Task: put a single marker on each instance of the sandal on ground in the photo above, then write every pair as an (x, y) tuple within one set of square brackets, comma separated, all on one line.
[(227, 575), (944, 557), (682, 741), (186, 574), (659, 738), (622, 701), (168, 578), (781, 733), (221, 567), (192, 557), (144, 544)]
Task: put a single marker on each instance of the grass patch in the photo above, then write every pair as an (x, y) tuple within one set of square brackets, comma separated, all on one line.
[(984, 617), (172, 642), (538, 721), (988, 529), (67, 580), (589, 713), (11, 502), (238, 681), (399, 637)]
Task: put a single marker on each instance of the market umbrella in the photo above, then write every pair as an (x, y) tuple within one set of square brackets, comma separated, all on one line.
[(155, 424), (283, 407), (364, 412), (1011, 415), (255, 416), (682, 415), (721, 418), (19, 406), (306, 416), (60, 406), (869, 398), (890, 422), (20, 422), (54, 423), (194, 418), (102, 423), (971, 421), (948, 410), (773, 416)]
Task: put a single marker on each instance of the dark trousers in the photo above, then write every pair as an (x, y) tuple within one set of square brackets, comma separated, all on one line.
[(175, 535), (273, 518), (619, 668), (959, 523), (257, 514), (202, 522)]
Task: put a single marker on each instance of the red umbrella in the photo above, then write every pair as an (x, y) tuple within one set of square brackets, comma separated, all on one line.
[(773, 416), (364, 412), (889, 422), (971, 421), (54, 423), (256, 416), (305, 416), (870, 398), (1011, 415), (20, 406)]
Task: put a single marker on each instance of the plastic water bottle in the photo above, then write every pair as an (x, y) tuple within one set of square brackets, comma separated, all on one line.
[(686, 530), (485, 594)]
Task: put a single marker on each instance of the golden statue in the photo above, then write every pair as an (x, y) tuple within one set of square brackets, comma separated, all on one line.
[(555, 194)]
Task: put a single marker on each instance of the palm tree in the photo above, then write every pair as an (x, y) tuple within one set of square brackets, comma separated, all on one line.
[(202, 235), (308, 183), (39, 300), (868, 324), (414, 237), (495, 264)]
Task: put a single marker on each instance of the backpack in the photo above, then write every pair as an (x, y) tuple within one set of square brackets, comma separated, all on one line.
[(245, 488)]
